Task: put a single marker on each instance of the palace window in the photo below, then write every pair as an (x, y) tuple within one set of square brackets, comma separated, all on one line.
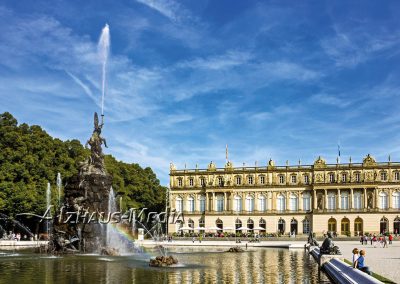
[(331, 201), (344, 200), (397, 176), (396, 200), (293, 202), (220, 181), (306, 202), (180, 182), (220, 203), (281, 179), (306, 179), (250, 179), (357, 200), (306, 226), (357, 177), (261, 203), (383, 176), (262, 179), (179, 204), (281, 203), (250, 203), (294, 179), (191, 181), (344, 177), (202, 203), (191, 204), (238, 203), (238, 180), (331, 177), (202, 181), (383, 200)]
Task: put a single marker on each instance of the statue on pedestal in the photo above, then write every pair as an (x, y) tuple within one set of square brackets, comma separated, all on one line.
[(328, 247)]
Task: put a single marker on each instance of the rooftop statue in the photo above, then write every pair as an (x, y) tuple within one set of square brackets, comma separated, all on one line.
[(95, 163)]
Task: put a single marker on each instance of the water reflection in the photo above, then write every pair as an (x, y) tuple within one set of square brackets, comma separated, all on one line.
[(200, 266)]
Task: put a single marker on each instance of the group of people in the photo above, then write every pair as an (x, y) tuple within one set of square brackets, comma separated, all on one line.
[(359, 261), (382, 240)]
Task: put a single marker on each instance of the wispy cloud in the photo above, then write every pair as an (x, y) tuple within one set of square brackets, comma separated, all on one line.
[(169, 8), (330, 100)]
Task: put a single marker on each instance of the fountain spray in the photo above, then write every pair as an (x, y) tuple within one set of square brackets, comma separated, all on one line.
[(59, 188), (104, 49)]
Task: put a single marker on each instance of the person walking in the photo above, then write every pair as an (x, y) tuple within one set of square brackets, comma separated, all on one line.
[(361, 263), (390, 239)]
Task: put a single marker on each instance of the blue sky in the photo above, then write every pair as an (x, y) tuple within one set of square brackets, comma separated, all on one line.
[(280, 79)]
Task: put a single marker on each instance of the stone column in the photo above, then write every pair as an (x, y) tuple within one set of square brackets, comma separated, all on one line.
[(339, 201), (207, 203), (255, 202), (232, 200), (326, 200), (287, 201), (390, 199), (375, 198), (300, 200), (213, 202), (196, 202), (243, 201), (225, 202), (365, 198), (351, 201)]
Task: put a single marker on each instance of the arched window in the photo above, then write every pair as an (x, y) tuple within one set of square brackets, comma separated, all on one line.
[(306, 226), (344, 200), (281, 202), (384, 225), (281, 226), (358, 226), (220, 203), (191, 204), (263, 225), (179, 204), (201, 222), (396, 225), (262, 206), (220, 225), (396, 200), (345, 226), (293, 202), (331, 201), (306, 201), (238, 203), (332, 225), (238, 224), (191, 225), (383, 200), (202, 199), (357, 200), (293, 226), (250, 203), (250, 224)]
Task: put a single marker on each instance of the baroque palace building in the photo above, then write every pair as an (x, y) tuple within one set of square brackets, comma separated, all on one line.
[(346, 198)]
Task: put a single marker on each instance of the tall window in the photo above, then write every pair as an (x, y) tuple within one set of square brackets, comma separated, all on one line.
[(179, 204), (306, 179), (331, 201), (344, 200), (202, 181), (250, 203), (238, 203), (261, 203), (344, 177), (281, 203), (262, 179), (396, 200), (293, 202), (397, 176), (306, 202), (191, 182), (202, 203), (331, 177), (238, 180), (191, 204), (306, 226), (383, 176), (294, 179), (281, 179), (383, 200), (220, 181), (179, 182), (220, 203), (357, 200), (201, 222), (357, 177), (250, 179)]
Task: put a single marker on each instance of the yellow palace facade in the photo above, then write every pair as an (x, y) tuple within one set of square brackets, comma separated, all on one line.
[(346, 198)]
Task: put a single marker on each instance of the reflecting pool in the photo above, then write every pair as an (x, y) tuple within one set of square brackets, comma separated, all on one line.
[(197, 265)]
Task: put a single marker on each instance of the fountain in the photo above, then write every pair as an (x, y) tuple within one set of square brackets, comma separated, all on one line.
[(59, 188), (48, 203)]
